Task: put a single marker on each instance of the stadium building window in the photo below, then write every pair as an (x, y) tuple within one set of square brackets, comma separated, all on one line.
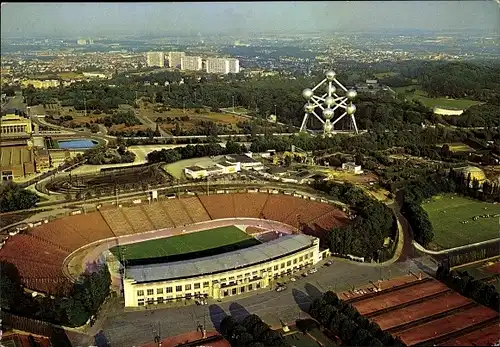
[(196, 286), (310, 255), (151, 291), (160, 300), (295, 261), (223, 280), (301, 258), (206, 284), (249, 287), (231, 278), (276, 267), (288, 263), (257, 285), (242, 289), (140, 293), (178, 288), (307, 256), (233, 291), (187, 287), (239, 276), (269, 269), (151, 301), (282, 265), (159, 291), (254, 273), (168, 290), (247, 274), (140, 302)]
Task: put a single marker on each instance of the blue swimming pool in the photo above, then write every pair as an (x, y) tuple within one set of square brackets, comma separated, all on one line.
[(76, 144)]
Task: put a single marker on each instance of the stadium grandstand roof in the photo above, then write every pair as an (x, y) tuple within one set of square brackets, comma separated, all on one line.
[(221, 262)]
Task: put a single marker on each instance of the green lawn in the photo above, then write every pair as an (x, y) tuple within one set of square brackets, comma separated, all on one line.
[(419, 94), (188, 243), (458, 147), (447, 213)]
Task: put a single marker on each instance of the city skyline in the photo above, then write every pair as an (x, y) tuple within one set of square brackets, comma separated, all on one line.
[(243, 18)]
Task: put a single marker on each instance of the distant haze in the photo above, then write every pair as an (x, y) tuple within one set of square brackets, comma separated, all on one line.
[(240, 18)]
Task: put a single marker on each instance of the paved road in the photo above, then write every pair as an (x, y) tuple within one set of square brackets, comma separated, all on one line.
[(129, 329)]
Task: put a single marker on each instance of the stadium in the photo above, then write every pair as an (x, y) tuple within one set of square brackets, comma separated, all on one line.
[(175, 249)]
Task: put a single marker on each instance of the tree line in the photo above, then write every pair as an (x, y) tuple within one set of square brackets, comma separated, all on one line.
[(345, 322), (193, 151), (477, 290), (73, 308), (374, 222), (250, 332)]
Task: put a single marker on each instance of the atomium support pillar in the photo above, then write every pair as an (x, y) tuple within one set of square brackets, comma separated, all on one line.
[(329, 103)]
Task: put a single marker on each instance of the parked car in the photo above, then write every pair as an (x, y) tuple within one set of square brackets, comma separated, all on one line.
[(281, 288), (293, 279), (313, 270), (304, 274), (328, 263)]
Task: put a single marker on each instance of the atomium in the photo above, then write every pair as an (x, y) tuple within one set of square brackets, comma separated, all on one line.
[(329, 103)]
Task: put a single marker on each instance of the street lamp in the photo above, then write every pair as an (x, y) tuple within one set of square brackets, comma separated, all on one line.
[(233, 103)]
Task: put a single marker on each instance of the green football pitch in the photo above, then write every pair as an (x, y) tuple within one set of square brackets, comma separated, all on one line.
[(229, 236), (447, 212)]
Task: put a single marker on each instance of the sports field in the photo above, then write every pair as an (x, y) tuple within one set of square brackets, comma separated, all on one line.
[(447, 212), (174, 247), (419, 94)]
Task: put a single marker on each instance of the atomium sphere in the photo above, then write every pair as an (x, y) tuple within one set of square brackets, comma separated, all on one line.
[(309, 108), (329, 101), (328, 113), (330, 75), (307, 93), (351, 94), (351, 109), (331, 89)]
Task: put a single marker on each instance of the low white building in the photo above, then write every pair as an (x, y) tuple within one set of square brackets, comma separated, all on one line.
[(352, 168), (246, 162), (229, 167), (195, 172)]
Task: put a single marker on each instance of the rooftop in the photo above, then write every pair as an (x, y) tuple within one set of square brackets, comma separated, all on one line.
[(241, 158), (14, 155), (226, 163), (195, 168), (221, 262)]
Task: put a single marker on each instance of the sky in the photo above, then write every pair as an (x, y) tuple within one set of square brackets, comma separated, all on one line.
[(240, 18)]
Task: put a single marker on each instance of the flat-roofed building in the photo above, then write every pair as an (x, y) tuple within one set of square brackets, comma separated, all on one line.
[(191, 63), (221, 275), (155, 59), (229, 167), (16, 163), (234, 65), (245, 161), (41, 84), (217, 65), (195, 172), (14, 124), (352, 168), (174, 59)]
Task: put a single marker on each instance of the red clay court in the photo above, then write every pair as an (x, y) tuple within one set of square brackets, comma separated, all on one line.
[(428, 312)]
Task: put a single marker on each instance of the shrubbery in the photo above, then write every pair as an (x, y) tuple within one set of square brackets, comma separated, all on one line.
[(251, 331), (13, 198)]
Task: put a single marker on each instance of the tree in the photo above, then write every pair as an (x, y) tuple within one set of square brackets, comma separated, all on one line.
[(11, 288), (13, 198), (306, 325)]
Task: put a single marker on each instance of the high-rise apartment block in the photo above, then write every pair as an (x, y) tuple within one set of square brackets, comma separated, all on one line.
[(217, 65), (155, 59), (174, 58), (234, 65), (192, 63)]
